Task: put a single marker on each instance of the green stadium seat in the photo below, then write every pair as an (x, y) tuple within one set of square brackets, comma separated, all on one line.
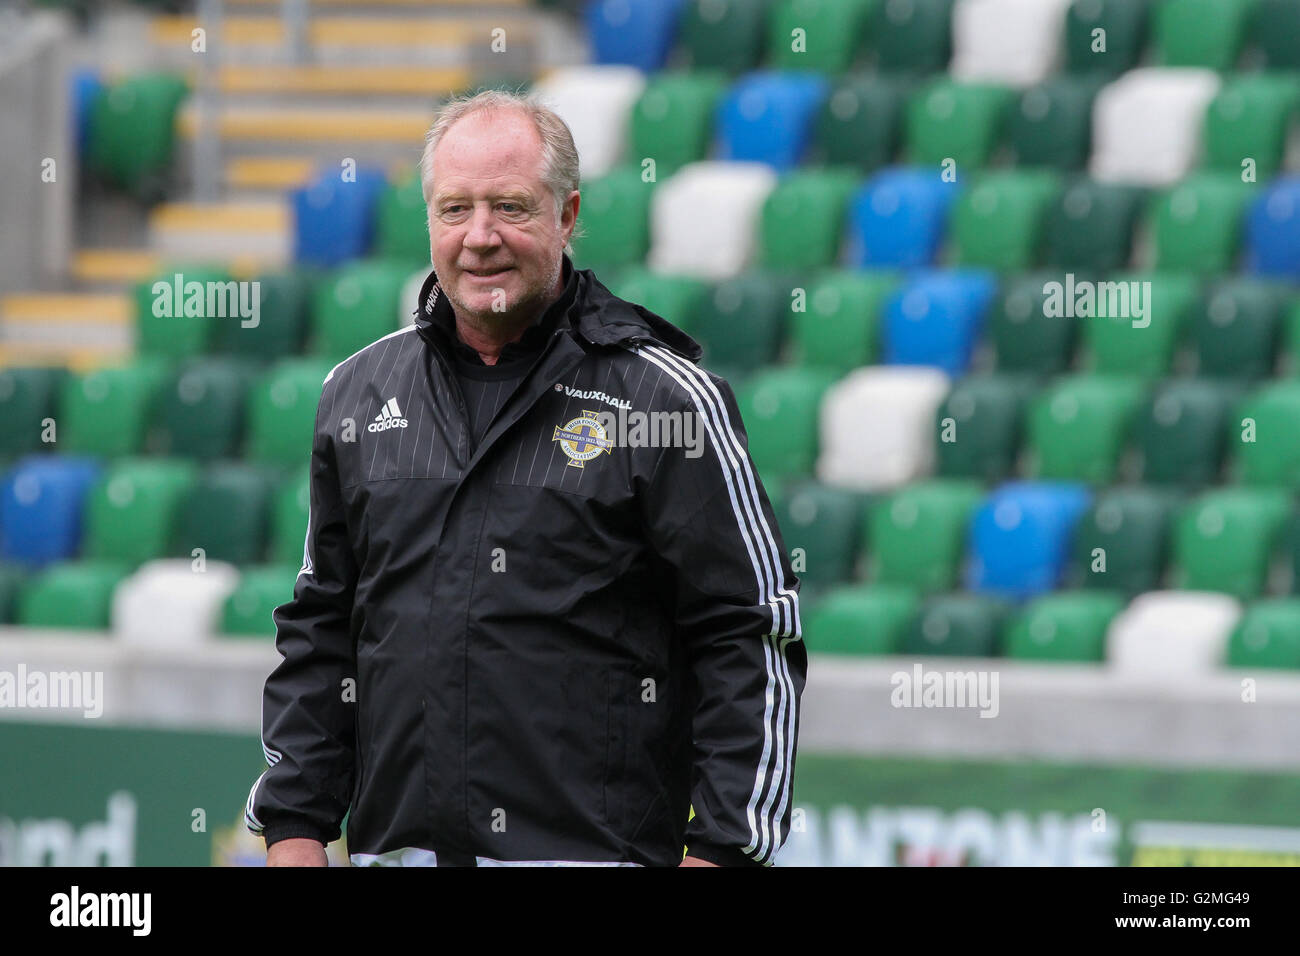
[(859, 124), (861, 621), (402, 221), (356, 306), (826, 35), (28, 396), (918, 533), (72, 594), (1250, 119), (249, 610), (961, 624), (913, 36), (963, 122), (1208, 33), (201, 413), (1090, 226), (107, 411), (1267, 635), (988, 416), (998, 222), (1267, 450), (672, 297), (13, 580), (282, 411), (728, 35), (1275, 27), (821, 528), (132, 510), (1063, 626), (1121, 543), (803, 219), (1118, 48), (780, 409), (187, 323), (1181, 433), (281, 328), (672, 121), (1051, 124), (226, 514), (1197, 223), (1225, 539), (1080, 425), (1025, 336), (1236, 329), (131, 137), (741, 321), (1119, 341), (289, 516), (838, 328), (615, 216)]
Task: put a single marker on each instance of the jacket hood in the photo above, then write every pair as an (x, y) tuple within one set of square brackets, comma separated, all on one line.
[(596, 314)]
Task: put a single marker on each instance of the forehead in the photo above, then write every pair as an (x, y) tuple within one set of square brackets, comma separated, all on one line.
[(487, 150)]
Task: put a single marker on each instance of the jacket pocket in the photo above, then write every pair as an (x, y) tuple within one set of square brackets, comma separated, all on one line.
[(615, 776)]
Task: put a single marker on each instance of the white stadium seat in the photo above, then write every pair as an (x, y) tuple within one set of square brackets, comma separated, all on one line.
[(1172, 633), (1012, 42), (168, 604), (1146, 126), (596, 102), (877, 426), (704, 218)]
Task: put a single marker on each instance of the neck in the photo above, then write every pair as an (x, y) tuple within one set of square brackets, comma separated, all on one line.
[(489, 334)]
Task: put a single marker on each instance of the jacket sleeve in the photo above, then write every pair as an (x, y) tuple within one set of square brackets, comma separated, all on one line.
[(708, 516), (308, 728)]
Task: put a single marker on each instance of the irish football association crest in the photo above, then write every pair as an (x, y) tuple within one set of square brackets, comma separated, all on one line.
[(583, 439)]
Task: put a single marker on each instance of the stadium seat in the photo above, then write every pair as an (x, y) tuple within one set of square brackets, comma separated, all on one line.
[(596, 102), (637, 33), (803, 219), (1207, 33), (1171, 635), (201, 413), (1147, 125), (1138, 337), (72, 594), (249, 608), (1197, 223), (958, 122), (1273, 230), (865, 621), (1181, 434), (226, 514), (615, 216), (1012, 42), (728, 35), (1025, 335), (957, 625), (28, 396), (1250, 120), (674, 297), (876, 426), (978, 426), (1122, 542), (1063, 626), (826, 35), (402, 220), (1080, 425), (779, 408), (1267, 635), (1119, 45), (821, 527), (741, 322), (1276, 25), (1263, 437), (1090, 226), (13, 581), (769, 117), (131, 134), (357, 305), (334, 218), (998, 222), (898, 219), (178, 311), (672, 121), (282, 411), (107, 411), (839, 327), (290, 511), (1051, 123), (860, 122), (131, 511), (1020, 537), (913, 36), (170, 604), (917, 534), (1236, 328), (1226, 539), (281, 328), (937, 317), (704, 219), (42, 500)]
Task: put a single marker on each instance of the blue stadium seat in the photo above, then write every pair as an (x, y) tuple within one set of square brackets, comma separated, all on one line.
[(936, 318), (636, 33), (41, 506), (1021, 537), (769, 117), (334, 220), (898, 219), (1273, 230)]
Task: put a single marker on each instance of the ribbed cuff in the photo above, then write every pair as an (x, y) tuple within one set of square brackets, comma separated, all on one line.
[(721, 855), (275, 832)]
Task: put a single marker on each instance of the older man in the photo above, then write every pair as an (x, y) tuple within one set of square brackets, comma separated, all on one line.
[(524, 633)]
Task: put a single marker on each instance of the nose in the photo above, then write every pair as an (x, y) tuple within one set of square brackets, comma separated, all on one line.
[(481, 233)]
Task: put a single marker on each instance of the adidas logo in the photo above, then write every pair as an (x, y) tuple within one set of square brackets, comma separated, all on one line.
[(390, 416)]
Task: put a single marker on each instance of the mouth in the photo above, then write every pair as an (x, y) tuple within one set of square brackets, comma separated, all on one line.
[(487, 273)]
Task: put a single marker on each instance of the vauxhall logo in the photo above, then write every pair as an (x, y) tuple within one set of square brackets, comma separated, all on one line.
[(390, 416)]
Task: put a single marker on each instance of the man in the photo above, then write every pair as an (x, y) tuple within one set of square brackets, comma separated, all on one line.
[(518, 635)]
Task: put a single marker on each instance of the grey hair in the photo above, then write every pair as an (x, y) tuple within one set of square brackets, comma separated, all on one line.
[(559, 155)]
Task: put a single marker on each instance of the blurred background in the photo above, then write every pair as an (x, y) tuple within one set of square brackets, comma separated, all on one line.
[(1009, 291)]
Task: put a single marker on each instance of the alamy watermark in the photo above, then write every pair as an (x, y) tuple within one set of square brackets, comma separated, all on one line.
[(1084, 299), (193, 299), (53, 690), (951, 689)]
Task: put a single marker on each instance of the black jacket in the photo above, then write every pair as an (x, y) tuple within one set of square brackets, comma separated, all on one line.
[(550, 649)]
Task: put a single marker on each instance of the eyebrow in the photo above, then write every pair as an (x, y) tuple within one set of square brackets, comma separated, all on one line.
[(512, 196)]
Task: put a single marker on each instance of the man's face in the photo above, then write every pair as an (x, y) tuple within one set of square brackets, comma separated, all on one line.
[(496, 241)]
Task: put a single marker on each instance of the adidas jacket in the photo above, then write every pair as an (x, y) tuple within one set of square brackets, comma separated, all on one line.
[(549, 650)]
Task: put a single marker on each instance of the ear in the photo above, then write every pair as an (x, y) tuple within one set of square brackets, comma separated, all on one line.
[(569, 215)]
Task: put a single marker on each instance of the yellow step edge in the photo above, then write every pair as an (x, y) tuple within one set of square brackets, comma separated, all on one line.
[(177, 31), (222, 217), (114, 265), (269, 172), (391, 126), (107, 308), (76, 358), (342, 80)]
